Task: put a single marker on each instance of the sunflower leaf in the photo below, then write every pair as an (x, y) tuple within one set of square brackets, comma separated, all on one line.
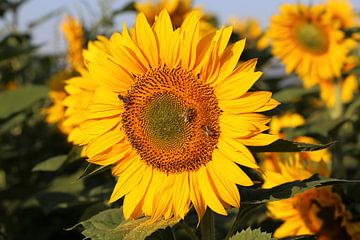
[(287, 190), (19, 99), (292, 94), (282, 145), (111, 225), (93, 169), (51, 164), (249, 234)]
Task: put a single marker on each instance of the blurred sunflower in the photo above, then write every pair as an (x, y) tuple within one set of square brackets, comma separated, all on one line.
[(80, 92), (342, 12), (55, 114), (251, 30), (173, 115), (348, 88), (74, 35), (318, 211), (309, 42), (177, 9), (271, 160)]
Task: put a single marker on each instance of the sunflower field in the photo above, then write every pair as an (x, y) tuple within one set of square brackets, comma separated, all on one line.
[(171, 124)]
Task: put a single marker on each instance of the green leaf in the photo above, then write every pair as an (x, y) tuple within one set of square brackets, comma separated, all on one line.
[(130, 7), (93, 169), (292, 94), (111, 225), (282, 145), (287, 190), (20, 99), (249, 234), (51, 164)]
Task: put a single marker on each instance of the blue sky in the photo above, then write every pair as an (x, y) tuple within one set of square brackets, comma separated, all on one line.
[(51, 40)]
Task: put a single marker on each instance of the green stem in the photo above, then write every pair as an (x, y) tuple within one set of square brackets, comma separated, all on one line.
[(188, 230), (244, 211), (207, 226), (337, 111)]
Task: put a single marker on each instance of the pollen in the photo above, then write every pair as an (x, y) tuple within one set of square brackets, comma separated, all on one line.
[(172, 119)]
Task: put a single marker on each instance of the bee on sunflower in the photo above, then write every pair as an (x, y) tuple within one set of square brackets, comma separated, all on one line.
[(172, 115)]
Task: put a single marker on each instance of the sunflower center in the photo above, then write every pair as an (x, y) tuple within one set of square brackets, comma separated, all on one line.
[(163, 120), (172, 119), (311, 37)]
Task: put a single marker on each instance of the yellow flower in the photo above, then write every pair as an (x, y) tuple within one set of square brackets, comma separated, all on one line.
[(287, 120), (172, 114), (317, 211), (348, 89), (249, 28), (177, 9), (271, 160), (80, 90), (308, 42), (74, 35), (55, 113), (342, 12)]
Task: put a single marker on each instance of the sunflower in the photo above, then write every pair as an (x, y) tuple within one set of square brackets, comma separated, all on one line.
[(271, 160), (308, 42), (74, 35), (342, 12), (173, 116), (55, 113), (80, 91), (317, 211), (348, 89), (177, 9), (251, 30)]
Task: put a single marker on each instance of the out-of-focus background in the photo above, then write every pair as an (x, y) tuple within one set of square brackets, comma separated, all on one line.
[(47, 34)]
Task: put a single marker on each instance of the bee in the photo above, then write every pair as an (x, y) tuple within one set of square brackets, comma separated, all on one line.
[(188, 115), (124, 99), (208, 131)]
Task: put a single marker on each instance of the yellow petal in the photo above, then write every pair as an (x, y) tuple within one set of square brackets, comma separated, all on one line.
[(225, 190), (104, 142), (146, 40), (208, 192), (230, 170), (134, 198), (261, 139), (249, 102), (128, 180), (241, 155)]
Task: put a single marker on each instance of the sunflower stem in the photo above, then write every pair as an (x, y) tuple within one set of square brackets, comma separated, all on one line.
[(207, 226), (188, 230), (337, 110), (244, 211)]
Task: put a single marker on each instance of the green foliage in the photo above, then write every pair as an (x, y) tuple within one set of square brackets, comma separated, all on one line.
[(111, 225), (20, 99), (51, 164), (287, 190), (249, 234), (282, 145), (46, 186)]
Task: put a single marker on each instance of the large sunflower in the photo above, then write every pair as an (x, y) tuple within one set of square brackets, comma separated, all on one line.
[(318, 211), (309, 42), (173, 115)]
